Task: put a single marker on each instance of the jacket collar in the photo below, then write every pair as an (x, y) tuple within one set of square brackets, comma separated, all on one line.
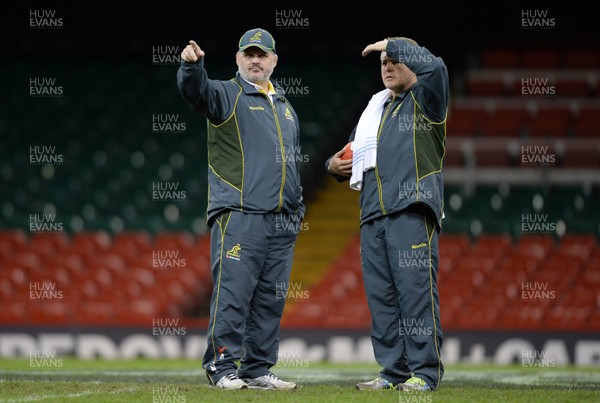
[(251, 89)]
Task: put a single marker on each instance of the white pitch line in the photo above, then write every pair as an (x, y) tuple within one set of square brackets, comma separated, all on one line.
[(109, 373), (36, 398)]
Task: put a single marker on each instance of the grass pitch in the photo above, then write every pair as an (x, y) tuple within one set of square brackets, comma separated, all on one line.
[(72, 380)]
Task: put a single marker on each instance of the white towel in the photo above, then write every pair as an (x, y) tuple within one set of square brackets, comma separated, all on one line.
[(364, 147)]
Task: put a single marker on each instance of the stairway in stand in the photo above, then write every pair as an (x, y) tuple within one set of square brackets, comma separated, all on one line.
[(330, 223)]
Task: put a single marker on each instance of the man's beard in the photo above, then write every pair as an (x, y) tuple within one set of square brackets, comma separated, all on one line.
[(254, 80)]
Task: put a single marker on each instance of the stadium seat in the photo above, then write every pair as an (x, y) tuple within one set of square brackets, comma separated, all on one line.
[(454, 157), (569, 87), (540, 59), (582, 59), (483, 87), (550, 122), (537, 246), (180, 240), (505, 122), (578, 155), (500, 59), (93, 242), (49, 243), (454, 245), (131, 243), (50, 313), (12, 241), (489, 154), (16, 312), (580, 245), (587, 123), (464, 122)]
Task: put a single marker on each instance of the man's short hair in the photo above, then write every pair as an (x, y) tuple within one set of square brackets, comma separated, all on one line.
[(404, 38)]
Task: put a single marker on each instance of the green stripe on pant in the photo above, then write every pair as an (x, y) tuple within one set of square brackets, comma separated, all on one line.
[(251, 259), (399, 262)]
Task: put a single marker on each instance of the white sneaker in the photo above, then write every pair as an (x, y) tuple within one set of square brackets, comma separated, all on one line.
[(270, 381), (375, 384), (413, 384), (231, 381)]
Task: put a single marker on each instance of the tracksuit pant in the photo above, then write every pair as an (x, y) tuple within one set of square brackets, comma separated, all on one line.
[(251, 261), (399, 263)]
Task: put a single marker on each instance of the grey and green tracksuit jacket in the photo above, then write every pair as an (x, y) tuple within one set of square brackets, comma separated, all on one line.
[(253, 144), (410, 141)]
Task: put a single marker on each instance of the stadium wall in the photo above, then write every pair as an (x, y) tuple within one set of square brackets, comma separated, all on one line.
[(299, 348)]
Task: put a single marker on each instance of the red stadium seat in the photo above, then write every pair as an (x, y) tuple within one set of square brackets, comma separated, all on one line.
[(537, 246), (91, 242), (15, 313), (550, 122), (540, 59), (12, 241), (577, 155), (587, 123), (454, 156), (500, 59), (454, 245), (568, 87), (49, 244), (485, 87), (579, 245), (494, 245), (465, 121), (505, 122), (582, 59), (132, 243), (180, 240), (50, 313), (96, 312), (492, 155)]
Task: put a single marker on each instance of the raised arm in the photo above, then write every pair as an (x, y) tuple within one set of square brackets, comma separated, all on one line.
[(209, 97), (432, 91)]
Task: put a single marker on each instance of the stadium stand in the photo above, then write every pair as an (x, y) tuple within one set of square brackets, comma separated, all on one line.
[(114, 239)]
